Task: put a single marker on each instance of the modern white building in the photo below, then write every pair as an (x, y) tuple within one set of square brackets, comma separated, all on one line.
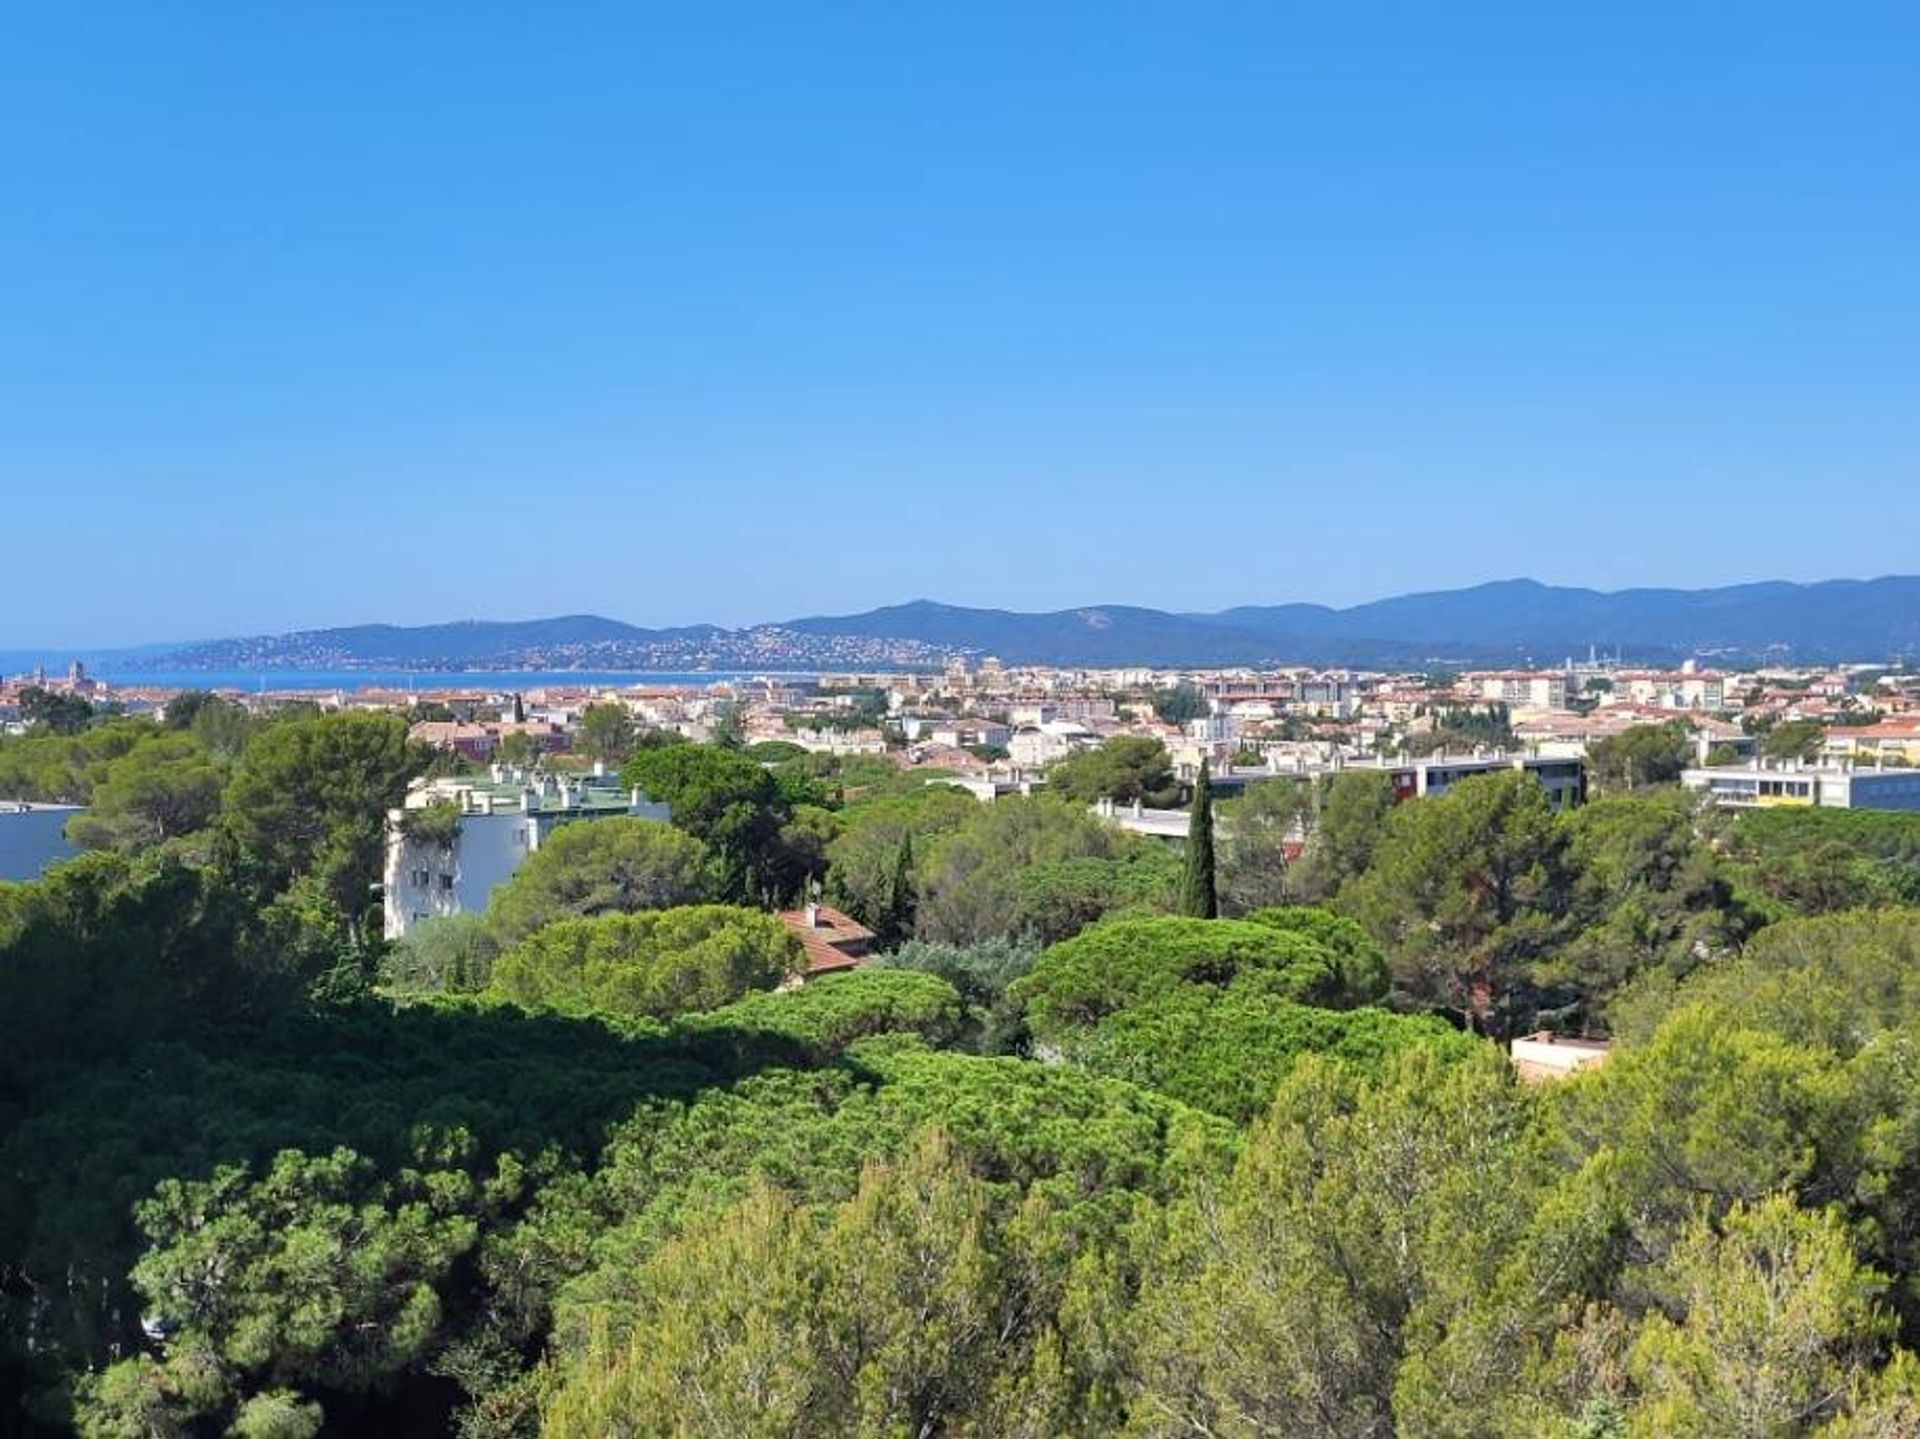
[(457, 839), (1832, 786)]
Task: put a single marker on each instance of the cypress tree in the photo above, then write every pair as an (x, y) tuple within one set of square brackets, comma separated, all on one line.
[(1198, 896), (901, 900)]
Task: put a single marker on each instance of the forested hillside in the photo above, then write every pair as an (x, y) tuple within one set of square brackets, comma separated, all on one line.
[(1069, 1160)]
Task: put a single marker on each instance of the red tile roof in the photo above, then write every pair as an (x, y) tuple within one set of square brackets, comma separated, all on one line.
[(832, 940)]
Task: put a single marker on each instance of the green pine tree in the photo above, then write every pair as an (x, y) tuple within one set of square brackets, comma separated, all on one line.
[(1198, 895)]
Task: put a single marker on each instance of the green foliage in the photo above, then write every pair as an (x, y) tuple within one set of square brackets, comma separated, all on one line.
[(649, 965), (1780, 1324), (1180, 704), (1640, 757), (728, 802), (1256, 833), (981, 972), (1057, 899), (863, 859), (1126, 769), (1227, 1049), (444, 954), (616, 865), (1365, 1224), (826, 1015), (1361, 963), (885, 1315), (1122, 962), (1467, 892), (161, 789), (437, 823), (607, 732), (314, 1273), (1819, 861), (308, 802), (1793, 739), (895, 920), (53, 712), (976, 886), (1199, 890), (1215, 1012), (1458, 728), (1650, 895), (671, 1203), (1350, 817), (64, 769)]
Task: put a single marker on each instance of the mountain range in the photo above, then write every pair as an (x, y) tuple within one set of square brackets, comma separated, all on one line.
[(1510, 621)]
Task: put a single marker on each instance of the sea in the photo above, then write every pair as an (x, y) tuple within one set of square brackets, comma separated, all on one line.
[(426, 681)]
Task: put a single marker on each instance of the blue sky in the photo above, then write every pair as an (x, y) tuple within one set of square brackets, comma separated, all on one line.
[(333, 313)]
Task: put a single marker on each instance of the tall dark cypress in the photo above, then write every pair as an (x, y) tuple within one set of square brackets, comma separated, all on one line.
[(1198, 896), (901, 900)]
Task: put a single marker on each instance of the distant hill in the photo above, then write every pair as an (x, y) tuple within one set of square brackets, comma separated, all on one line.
[(1511, 621), (1831, 619)]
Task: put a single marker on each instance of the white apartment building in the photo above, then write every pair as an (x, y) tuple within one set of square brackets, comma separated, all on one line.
[(1682, 689), (1522, 689), (497, 822)]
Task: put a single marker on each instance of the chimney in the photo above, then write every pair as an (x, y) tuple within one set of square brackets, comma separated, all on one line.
[(813, 916)]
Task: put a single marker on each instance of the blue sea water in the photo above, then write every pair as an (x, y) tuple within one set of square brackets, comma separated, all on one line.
[(421, 681)]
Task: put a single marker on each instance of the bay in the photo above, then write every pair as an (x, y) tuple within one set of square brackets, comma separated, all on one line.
[(425, 681)]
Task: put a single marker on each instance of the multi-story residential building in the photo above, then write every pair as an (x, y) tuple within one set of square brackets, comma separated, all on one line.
[(1829, 786), (1563, 777), (839, 741), (1682, 689), (1522, 689), (1895, 742), (959, 734), (1035, 747), (455, 840)]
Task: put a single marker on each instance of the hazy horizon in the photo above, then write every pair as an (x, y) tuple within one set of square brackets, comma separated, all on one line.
[(30, 649)]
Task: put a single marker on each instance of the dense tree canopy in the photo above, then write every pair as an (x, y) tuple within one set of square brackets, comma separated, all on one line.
[(160, 790), (1467, 892), (655, 964), (1065, 1163), (607, 866), (1126, 769), (1262, 832), (978, 881), (1640, 757), (607, 732), (731, 804), (308, 803)]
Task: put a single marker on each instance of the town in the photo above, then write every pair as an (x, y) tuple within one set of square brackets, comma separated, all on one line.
[(1842, 736)]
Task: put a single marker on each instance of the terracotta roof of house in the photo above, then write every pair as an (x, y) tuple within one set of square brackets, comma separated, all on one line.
[(831, 939)]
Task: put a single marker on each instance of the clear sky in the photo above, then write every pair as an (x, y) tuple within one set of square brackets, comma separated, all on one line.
[(317, 314)]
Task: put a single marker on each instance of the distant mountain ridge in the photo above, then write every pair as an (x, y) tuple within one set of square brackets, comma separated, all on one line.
[(1507, 621)]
